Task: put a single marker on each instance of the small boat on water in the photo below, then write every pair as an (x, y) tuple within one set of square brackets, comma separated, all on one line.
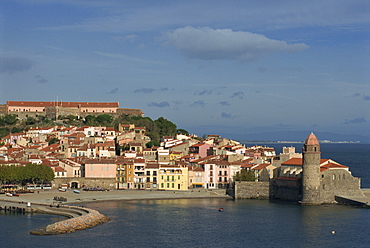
[(220, 209), (76, 191), (9, 194), (62, 190)]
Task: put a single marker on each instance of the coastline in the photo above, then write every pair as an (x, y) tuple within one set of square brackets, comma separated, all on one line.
[(80, 218), (48, 196)]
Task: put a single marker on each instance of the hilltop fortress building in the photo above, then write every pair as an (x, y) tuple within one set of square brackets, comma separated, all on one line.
[(52, 110)]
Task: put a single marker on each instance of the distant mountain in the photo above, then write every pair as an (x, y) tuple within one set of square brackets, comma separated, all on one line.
[(296, 136)]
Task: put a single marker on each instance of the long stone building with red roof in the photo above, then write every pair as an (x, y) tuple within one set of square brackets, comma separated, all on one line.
[(52, 109)]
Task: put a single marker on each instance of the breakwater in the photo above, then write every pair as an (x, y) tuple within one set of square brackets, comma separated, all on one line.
[(80, 218)]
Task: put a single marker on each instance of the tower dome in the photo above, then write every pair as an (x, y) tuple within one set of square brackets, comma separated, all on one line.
[(311, 140)]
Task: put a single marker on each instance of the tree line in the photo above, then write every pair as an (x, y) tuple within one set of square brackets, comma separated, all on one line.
[(155, 129), (28, 174)]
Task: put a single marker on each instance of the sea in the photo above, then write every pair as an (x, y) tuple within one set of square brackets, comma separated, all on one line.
[(199, 223)]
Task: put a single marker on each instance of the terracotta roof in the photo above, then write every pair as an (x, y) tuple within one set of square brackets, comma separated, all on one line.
[(260, 166), (332, 166), (59, 169), (299, 161), (311, 140)]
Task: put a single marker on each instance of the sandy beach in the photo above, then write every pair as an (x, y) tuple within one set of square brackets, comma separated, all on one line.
[(48, 196)]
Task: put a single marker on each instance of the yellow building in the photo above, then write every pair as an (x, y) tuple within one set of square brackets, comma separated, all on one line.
[(175, 155), (173, 177), (125, 174)]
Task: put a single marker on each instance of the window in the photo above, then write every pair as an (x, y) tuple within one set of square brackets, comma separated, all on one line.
[(154, 173), (173, 178), (173, 185), (148, 173), (148, 179)]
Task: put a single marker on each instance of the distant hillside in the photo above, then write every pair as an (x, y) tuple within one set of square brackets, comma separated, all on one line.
[(297, 136)]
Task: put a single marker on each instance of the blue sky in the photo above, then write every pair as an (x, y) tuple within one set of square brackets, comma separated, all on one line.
[(208, 66)]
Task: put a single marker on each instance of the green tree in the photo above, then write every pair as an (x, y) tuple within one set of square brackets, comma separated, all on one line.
[(30, 121), (38, 173), (10, 119), (182, 131), (166, 127), (104, 119), (245, 175), (16, 130), (4, 131), (53, 141), (152, 143), (90, 120)]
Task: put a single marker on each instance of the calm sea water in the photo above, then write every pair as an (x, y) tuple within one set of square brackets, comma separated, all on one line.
[(198, 223)]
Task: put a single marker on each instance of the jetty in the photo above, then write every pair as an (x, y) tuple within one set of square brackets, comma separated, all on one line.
[(358, 201), (79, 218)]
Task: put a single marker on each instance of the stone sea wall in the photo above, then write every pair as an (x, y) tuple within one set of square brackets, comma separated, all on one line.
[(93, 218), (251, 190), (90, 219)]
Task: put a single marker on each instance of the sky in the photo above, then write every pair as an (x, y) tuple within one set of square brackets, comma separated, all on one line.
[(211, 67)]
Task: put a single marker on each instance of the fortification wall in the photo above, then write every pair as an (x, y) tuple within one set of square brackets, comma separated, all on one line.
[(2, 109), (130, 112), (106, 183), (338, 182), (251, 190), (287, 190)]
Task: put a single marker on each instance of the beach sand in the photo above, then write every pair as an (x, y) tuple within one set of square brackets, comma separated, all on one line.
[(48, 196)]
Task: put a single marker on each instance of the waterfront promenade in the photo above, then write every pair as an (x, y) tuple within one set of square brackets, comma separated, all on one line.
[(114, 195)]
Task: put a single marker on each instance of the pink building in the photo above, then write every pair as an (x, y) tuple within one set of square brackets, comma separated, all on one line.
[(202, 149), (99, 168)]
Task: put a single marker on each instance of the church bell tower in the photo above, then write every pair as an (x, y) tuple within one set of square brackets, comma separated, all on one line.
[(311, 171)]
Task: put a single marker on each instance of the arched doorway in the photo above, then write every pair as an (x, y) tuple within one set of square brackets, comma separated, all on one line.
[(74, 185)]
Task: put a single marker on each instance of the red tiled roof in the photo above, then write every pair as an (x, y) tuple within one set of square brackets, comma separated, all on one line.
[(260, 166), (332, 166), (299, 161)]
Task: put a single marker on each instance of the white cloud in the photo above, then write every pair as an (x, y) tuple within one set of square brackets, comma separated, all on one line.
[(225, 44)]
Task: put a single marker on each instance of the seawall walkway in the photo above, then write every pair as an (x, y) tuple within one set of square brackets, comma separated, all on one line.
[(79, 217), (355, 201)]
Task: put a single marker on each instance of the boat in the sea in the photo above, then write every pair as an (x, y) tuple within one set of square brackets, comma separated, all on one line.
[(76, 191)]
